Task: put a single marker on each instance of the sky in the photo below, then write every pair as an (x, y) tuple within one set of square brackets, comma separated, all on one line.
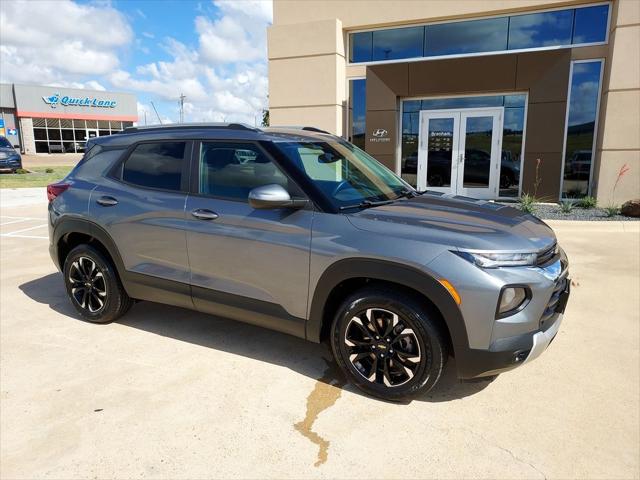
[(212, 51)]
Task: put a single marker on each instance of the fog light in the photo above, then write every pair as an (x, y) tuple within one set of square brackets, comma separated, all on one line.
[(511, 299)]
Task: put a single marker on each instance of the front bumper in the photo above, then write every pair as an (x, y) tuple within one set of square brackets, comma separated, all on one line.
[(505, 354)]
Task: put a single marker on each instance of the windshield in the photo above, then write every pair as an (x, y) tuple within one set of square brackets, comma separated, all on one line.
[(347, 175), (4, 143)]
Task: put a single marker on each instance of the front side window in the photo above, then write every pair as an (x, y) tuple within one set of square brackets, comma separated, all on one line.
[(344, 173), (232, 170), (155, 165)]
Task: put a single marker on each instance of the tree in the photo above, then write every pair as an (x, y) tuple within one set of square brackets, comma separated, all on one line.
[(265, 117)]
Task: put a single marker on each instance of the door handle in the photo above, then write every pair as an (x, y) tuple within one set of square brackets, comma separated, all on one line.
[(204, 214), (107, 201)]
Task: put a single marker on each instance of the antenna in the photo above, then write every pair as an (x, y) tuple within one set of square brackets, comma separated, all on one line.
[(182, 97), (154, 109)]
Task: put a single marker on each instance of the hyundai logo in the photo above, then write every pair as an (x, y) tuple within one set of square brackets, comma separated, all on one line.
[(380, 132)]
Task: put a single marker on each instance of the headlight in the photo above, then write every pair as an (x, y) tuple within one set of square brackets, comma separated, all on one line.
[(494, 260), (4, 155)]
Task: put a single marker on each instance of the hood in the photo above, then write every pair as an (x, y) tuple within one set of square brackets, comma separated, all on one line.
[(457, 222), (9, 150)]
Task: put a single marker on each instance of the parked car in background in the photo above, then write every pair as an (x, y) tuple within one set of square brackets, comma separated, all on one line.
[(300, 231), (72, 147), (10, 159)]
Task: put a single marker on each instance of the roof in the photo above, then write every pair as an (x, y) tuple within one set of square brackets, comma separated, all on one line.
[(213, 131)]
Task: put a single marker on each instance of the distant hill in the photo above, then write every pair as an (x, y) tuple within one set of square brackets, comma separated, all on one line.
[(581, 128)]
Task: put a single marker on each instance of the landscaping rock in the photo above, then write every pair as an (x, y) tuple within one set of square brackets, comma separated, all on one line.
[(631, 208)]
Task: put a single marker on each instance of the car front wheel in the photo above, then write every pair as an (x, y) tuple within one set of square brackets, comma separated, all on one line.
[(93, 286), (388, 343)]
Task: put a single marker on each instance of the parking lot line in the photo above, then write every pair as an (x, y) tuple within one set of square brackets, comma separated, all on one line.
[(22, 218), (23, 236), (25, 230), (14, 221)]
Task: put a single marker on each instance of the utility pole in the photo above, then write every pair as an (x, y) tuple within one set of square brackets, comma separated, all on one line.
[(182, 97), (145, 117), (154, 109)]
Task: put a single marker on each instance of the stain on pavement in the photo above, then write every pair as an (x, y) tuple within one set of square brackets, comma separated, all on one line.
[(325, 394)]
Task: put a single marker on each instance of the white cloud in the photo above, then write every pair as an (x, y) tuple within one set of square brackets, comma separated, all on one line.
[(224, 79), (223, 74), (37, 46)]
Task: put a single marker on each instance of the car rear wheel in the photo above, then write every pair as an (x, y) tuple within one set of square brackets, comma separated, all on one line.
[(388, 343), (93, 286)]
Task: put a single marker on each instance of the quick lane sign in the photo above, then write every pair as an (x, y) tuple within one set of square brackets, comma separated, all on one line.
[(54, 100)]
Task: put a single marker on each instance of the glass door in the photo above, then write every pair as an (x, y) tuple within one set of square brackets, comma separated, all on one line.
[(459, 151), (480, 145), (438, 150)]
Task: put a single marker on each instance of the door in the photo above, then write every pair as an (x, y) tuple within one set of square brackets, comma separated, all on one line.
[(459, 151), (143, 211), (255, 260), (91, 133)]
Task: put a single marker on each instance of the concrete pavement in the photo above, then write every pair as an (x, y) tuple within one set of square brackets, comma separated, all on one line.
[(170, 393)]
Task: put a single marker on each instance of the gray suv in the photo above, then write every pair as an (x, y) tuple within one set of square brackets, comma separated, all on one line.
[(299, 231)]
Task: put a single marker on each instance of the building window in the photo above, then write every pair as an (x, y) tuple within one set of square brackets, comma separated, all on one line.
[(357, 111), (540, 29), (584, 95), (558, 28), (488, 35), (512, 134), (398, 43)]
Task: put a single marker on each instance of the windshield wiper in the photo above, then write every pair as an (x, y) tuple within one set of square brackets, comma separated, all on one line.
[(367, 204)]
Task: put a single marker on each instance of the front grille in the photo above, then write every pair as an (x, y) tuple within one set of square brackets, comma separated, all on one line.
[(547, 256), (550, 309)]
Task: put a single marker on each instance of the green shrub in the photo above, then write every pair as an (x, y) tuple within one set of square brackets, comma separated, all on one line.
[(21, 171), (527, 203), (611, 210), (566, 206), (48, 170), (588, 202)]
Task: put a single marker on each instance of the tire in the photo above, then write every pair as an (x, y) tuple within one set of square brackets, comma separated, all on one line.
[(418, 360), (107, 299)]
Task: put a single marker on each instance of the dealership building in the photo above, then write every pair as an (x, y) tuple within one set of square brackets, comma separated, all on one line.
[(490, 99), (41, 119)]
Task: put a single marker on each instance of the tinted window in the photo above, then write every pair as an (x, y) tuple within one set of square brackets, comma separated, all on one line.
[(467, 37), (540, 29), (583, 103), (4, 142), (155, 165), (358, 98), (360, 44), (232, 170), (398, 43), (591, 24)]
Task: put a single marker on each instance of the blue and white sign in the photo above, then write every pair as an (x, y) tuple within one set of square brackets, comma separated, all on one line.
[(12, 131), (54, 100)]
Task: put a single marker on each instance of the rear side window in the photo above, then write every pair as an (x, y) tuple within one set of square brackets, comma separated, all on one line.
[(155, 165)]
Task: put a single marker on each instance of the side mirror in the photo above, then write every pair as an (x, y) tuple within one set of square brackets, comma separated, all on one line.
[(273, 196)]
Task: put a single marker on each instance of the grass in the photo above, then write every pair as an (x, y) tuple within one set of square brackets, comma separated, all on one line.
[(587, 202), (41, 177), (566, 206), (527, 203), (611, 210)]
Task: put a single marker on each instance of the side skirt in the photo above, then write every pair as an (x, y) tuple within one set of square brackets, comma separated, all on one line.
[(244, 309)]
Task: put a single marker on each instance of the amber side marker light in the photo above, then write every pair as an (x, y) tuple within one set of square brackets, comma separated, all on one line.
[(451, 289)]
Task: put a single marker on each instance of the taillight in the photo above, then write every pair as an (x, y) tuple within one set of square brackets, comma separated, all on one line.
[(56, 189)]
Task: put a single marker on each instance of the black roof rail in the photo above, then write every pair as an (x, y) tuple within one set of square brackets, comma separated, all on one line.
[(184, 126), (298, 127)]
